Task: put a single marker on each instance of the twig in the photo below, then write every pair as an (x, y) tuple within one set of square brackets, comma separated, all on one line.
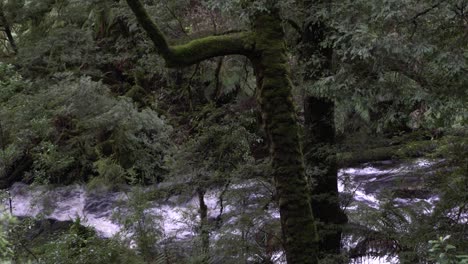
[(29, 251), (179, 22), (246, 77), (422, 13), (213, 21), (7, 30), (10, 203), (189, 85), (352, 196), (221, 199), (217, 90)]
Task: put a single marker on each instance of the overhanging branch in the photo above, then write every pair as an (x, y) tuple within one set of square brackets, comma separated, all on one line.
[(196, 50)]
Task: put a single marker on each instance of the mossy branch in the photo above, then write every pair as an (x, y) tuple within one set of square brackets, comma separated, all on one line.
[(196, 50), (414, 149)]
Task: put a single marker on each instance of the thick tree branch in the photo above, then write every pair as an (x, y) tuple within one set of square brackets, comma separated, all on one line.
[(196, 50)]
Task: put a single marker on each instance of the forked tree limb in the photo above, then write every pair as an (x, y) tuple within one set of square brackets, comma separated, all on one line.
[(265, 47), (196, 50)]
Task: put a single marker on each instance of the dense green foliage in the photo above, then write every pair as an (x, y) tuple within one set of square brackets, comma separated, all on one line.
[(84, 97), (399, 63)]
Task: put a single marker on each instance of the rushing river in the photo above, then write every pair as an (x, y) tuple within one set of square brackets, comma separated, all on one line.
[(97, 208)]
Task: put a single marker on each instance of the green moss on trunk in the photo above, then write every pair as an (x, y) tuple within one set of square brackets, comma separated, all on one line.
[(266, 49), (196, 50), (281, 125), (319, 143)]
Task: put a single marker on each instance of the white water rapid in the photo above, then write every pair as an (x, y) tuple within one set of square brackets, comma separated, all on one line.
[(177, 219)]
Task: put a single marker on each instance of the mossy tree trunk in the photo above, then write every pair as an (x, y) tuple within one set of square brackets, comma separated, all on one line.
[(319, 143), (281, 126), (265, 47), (322, 157)]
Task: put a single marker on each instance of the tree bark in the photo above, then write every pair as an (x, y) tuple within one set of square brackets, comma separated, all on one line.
[(319, 142), (7, 29), (265, 47), (282, 128), (204, 232), (196, 50), (320, 145)]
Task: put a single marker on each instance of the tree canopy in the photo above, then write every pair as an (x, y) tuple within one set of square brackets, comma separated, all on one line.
[(260, 96)]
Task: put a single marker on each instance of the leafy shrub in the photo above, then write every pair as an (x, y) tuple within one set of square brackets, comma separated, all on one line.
[(68, 138), (442, 252), (82, 245)]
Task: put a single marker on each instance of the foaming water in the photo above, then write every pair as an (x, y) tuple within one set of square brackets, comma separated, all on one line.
[(366, 183), (65, 204), (376, 260), (178, 217)]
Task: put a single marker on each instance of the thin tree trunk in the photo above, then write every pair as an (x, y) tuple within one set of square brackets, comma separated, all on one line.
[(204, 232), (217, 90), (7, 30), (320, 135), (320, 146)]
